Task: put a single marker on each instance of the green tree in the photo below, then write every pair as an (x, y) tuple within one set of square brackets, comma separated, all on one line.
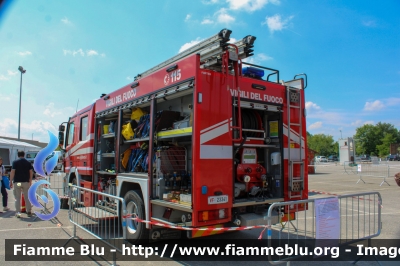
[(322, 144), (370, 137), (365, 139), (384, 148), (336, 148)]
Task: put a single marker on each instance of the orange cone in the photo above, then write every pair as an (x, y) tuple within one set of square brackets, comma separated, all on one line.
[(23, 209)]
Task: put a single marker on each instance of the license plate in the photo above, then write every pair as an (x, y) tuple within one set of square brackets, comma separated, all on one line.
[(218, 199)]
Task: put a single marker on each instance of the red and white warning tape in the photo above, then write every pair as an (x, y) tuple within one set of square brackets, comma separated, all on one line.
[(204, 229)]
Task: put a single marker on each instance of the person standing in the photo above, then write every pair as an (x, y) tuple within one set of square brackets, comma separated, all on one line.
[(21, 176), (3, 188)]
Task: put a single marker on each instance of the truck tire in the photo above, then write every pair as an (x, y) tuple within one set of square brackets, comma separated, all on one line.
[(135, 231)]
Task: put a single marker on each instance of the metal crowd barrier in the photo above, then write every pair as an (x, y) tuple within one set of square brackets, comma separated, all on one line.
[(380, 170), (47, 206), (56, 181), (106, 222), (359, 218), (349, 167)]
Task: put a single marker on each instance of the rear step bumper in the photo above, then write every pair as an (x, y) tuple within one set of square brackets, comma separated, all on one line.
[(253, 219)]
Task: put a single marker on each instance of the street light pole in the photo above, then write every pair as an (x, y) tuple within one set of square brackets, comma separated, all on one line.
[(22, 70), (341, 136)]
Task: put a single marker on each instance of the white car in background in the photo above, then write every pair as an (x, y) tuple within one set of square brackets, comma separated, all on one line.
[(59, 166), (321, 159), (31, 155)]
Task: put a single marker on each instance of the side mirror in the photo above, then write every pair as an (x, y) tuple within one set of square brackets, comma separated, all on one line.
[(61, 128), (61, 137)]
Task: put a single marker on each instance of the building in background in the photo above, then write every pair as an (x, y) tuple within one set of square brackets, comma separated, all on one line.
[(346, 150), (32, 142), (311, 161), (394, 148), (9, 150)]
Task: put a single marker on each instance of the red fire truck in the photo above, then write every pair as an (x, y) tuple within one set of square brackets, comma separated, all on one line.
[(203, 139)]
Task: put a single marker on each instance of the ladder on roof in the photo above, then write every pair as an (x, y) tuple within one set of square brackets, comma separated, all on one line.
[(210, 51), (295, 143)]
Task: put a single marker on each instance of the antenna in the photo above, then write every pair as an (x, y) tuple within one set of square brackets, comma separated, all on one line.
[(77, 106)]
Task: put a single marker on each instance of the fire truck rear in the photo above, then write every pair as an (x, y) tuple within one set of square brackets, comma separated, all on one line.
[(203, 139)]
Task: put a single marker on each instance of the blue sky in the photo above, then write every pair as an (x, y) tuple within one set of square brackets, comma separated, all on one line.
[(76, 50)]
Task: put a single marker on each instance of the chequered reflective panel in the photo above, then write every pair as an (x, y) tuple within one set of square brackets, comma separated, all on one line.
[(297, 186), (294, 97)]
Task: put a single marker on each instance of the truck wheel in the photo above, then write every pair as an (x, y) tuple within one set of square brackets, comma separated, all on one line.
[(135, 231)]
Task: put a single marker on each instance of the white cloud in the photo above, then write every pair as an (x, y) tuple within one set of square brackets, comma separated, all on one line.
[(315, 112), (380, 104), (51, 111), (2, 77), (38, 126), (82, 53), (74, 52), (188, 16), (6, 124), (66, 21), (209, 2), (129, 78), (24, 53), (78, 52), (315, 125), (257, 59), (9, 128), (224, 17), (36, 117), (207, 21), (374, 106), (250, 60), (5, 98), (12, 73), (263, 57), (312, 106), (275, 23), (249, 5), (92, 52), (393, 101), (189, 44), (357, 123), (360, 122)]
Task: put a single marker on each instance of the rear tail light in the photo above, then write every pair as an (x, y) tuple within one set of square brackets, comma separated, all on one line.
[(213, 215)]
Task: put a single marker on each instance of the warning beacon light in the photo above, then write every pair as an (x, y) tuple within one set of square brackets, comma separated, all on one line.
[(253, 72)]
